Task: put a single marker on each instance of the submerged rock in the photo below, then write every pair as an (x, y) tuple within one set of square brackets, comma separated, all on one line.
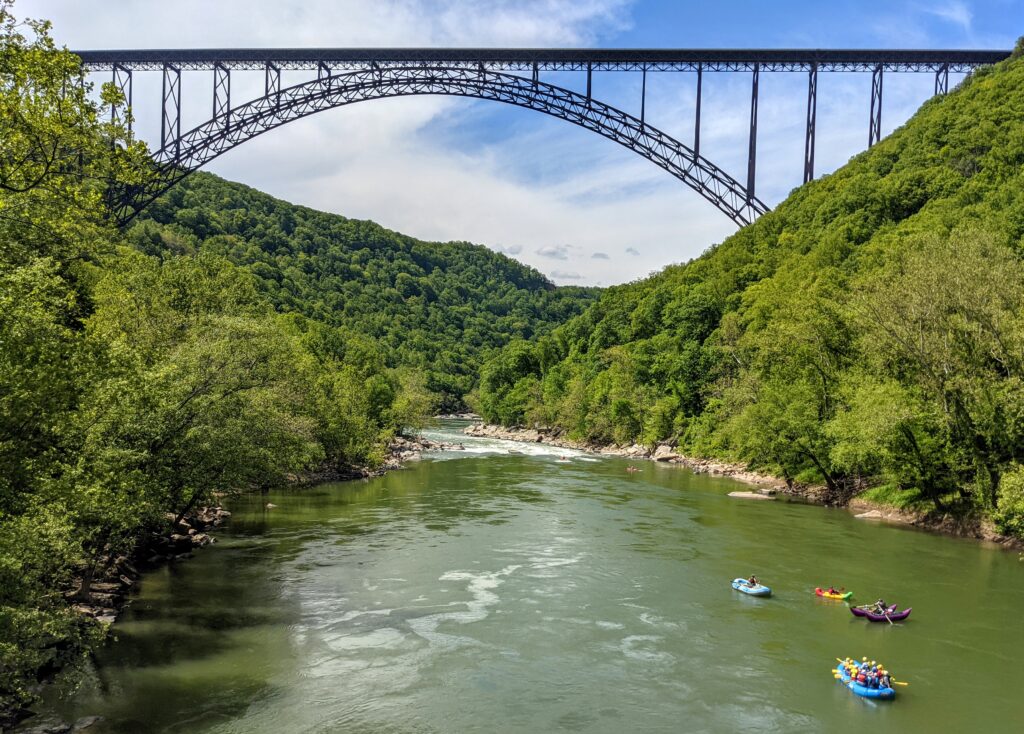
[(751, 495)]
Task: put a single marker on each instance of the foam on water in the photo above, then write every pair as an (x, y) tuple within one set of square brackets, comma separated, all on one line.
[(481, 587)]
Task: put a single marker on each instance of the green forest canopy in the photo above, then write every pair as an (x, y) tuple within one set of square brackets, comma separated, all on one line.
[(869, 331), (434, 307)]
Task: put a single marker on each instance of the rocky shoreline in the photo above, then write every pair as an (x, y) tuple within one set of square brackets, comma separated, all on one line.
[(767, 486), (664, 453)]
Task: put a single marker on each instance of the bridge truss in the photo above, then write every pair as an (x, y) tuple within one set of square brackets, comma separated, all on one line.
[(346, 76)]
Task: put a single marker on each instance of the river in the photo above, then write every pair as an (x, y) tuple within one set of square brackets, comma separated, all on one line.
[(488, 591)]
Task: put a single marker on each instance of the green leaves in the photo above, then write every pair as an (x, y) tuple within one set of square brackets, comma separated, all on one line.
[(869, 330)]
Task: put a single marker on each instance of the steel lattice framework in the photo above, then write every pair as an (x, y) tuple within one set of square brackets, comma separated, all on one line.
[(202, 144), (550, 59), (345, 76)]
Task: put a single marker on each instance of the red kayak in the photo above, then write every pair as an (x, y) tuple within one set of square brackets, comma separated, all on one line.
[(890, 615)]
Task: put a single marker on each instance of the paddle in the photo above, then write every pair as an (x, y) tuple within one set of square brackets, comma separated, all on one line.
[(887, 617)]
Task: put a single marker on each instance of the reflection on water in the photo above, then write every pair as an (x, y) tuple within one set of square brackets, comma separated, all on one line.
[(482, 591)]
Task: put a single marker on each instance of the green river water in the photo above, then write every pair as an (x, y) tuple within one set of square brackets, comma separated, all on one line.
[(483, 591)]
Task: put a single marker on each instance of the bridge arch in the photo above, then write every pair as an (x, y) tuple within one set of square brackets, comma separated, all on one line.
[(202, 144)]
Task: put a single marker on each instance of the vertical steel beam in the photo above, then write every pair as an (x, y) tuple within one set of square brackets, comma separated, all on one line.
[(170, 119), (812, 120), (942, 79), (696, 122), (322, 71), (222, 94), (122, 79), (875, 124), (536, 74), (590, 74), (272, 79), (643, 96), (752, 153)]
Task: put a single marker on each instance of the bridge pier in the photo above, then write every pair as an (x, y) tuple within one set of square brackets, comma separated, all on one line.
[(696, 122), (170, 118), (643, 95), (752, 154), (222, 94), (122, 79), (942, 80), (875, 125), (812, 121)]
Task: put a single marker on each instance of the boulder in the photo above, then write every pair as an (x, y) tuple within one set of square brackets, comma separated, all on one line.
[(870, 515), (664, 452), (751, 496), (181, 543)]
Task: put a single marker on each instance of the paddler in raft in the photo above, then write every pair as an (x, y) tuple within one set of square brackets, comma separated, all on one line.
[(752, 581)]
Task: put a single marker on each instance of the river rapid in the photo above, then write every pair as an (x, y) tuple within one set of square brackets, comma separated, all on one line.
[(489, 591)]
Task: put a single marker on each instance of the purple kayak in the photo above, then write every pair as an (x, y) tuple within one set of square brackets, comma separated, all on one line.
[(890, 615)]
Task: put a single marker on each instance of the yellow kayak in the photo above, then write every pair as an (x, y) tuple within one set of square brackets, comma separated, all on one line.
[(830, 595)]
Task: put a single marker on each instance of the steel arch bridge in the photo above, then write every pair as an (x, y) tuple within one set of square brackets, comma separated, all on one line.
[(368, 74)]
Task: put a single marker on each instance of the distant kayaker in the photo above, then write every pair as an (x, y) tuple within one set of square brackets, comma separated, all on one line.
[(752, 581), (880, 607)]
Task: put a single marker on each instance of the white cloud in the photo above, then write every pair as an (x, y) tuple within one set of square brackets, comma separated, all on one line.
[(633, 251), (558, 275), (953, 11), (555, 252), (600, 256)]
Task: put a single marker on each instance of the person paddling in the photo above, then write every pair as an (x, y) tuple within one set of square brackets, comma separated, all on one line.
[(880, 607), (752, 581)]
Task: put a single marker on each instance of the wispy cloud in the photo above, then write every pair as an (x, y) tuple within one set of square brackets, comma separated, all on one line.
[(562, 275), (599, 256), (633, 251), (952, 11), (555, 252)]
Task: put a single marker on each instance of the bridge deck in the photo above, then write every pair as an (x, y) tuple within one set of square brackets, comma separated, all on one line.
[(527, 59)]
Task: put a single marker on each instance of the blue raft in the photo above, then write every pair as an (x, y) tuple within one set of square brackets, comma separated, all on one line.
[(860, 690), (759, 590)]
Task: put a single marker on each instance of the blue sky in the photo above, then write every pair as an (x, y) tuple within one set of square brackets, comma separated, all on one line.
[(579, 208)]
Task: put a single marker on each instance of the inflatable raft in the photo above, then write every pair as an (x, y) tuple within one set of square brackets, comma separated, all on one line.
[(844, 677), (891, 615), (758, 590), (829, 595)]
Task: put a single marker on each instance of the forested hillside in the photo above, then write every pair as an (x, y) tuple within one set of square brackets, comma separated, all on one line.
[(434, 307), (869, 331), (134, 386)]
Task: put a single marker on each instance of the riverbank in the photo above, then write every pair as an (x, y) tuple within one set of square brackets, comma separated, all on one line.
[(663, 453), (971, 527), (115, 578)]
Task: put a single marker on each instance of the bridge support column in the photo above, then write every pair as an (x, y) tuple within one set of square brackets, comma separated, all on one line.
[(536, 74), (170, 118), (590, 74), (942, 79), (122, 79), (696, 122), (643, 95), (222, 94), (812, 120), (272, 80), (875, 124), (752, 154), (322, 71)]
